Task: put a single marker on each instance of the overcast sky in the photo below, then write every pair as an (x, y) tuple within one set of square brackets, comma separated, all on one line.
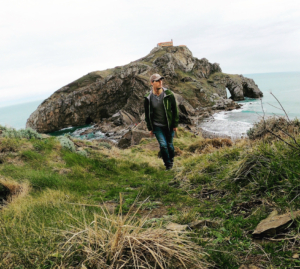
[(48, 44)]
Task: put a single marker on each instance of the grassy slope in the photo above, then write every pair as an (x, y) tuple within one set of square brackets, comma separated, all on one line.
[(238, 186)]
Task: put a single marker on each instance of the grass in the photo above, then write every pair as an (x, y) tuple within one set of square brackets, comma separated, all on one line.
[(88, 79), (116, 241), (235, 185)]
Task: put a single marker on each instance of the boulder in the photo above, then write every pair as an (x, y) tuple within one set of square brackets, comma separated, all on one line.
[(200, 223), (132, 137), (225, 104), (142, 126), (176, 227), (275, 223), (123, 118)]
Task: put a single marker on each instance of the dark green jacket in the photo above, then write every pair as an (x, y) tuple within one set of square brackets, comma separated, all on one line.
[(171, 110)]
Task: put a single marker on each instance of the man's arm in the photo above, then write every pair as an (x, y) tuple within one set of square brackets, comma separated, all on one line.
[(146, 108), (175, 116)]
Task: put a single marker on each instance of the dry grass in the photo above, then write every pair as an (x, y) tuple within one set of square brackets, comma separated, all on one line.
[(116, 241), (209, 145), (277, 125), (16, 190), (145, 156)]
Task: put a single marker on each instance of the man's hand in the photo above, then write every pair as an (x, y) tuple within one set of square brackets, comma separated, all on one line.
[(151, 133), (175, 129)]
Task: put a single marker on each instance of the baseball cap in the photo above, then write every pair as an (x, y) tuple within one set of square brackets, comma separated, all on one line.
[(156, 77)]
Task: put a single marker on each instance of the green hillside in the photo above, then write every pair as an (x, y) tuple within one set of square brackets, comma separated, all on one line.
[(57, 191)]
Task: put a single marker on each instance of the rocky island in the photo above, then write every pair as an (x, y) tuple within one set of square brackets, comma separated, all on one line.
[(113, 99)]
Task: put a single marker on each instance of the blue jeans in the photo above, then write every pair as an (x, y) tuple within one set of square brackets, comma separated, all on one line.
[(164, 137)]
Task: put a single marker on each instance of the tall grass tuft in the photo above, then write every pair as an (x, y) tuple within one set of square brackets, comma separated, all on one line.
[(201, 145), (16, 190), (118, 241)]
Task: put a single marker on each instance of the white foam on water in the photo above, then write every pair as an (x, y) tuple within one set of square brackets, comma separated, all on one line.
[(98, 135), (220, 116), (79, 131), (225, 128), (66, 128), (222, 125)]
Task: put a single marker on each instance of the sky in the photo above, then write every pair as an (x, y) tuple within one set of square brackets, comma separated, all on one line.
[(48, 44)]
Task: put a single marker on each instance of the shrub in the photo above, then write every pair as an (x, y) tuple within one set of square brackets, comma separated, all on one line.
[(9, 145), (276, 125), (22, 133), (82, 153), (66, 143)]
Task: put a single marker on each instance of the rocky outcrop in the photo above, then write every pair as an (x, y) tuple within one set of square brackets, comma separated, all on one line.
[(225, 104), (241, 87), (90, 103), (117, 94)]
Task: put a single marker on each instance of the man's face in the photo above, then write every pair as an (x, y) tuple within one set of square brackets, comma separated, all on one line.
[(157, 84)]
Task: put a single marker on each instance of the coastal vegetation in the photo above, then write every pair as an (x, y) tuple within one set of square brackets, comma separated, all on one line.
[(110, 207)]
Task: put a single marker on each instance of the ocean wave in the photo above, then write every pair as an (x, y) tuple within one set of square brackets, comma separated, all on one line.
[(65, 129)]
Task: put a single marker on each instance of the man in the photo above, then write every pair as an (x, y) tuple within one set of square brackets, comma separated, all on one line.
[(161, 115)]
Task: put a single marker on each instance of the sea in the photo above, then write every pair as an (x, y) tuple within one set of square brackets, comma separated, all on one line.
[(281, 96)]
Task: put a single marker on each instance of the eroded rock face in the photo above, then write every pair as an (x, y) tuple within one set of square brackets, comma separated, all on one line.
[(101, 95)]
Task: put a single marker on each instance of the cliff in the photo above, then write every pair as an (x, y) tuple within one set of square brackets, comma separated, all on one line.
[(100, 95)]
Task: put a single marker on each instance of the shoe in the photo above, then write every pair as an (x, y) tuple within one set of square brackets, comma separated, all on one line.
[(172, 162), (169, 167)]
